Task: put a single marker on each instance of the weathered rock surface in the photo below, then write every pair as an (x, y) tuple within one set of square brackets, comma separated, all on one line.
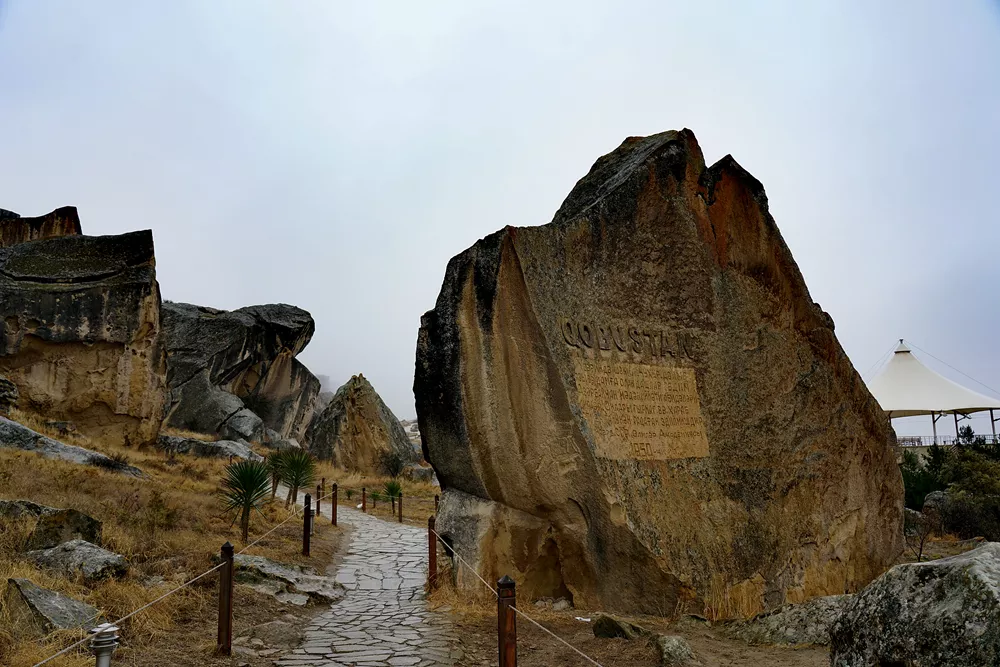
[(609, 626), (80, 557), (15, 229), (30, 605), (234, 373), (81, 333), (292, 584), (941, 613), (8, 395), (217, 449), (356, 427), (793, 624), (647, 404), (55, 526), (419, 473), (673, 650), (16, 436)]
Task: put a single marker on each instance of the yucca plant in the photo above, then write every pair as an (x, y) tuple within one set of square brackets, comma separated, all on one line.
[(298, 470), (244, 488), (275, 466), (375, 496), (392, 489)]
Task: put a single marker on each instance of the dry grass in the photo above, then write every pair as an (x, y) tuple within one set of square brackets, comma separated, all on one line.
[(168, 525), (192, 435)]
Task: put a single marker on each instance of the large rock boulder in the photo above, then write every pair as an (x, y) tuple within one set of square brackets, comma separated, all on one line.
[(81, 333), (941, 613), (234, 373), (16, 436), (79, 557), (14, 229), (639, 402), (217, 449), (42, 611), (55, 526), (794, 624), (356, 428)]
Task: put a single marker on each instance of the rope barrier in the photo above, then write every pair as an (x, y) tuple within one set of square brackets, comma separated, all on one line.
[(516, 610)]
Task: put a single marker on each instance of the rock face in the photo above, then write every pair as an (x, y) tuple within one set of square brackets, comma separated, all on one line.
[(234, 373), (8, 395), (14, 229), (16, 436), (640, 404), (81, 333), (944, 613), (45, 611), (217, 449), (81, 557), (356, 427), (792, 624)]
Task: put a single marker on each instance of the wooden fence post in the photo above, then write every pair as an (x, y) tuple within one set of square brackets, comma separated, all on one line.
[(401, 507), (306, 521), (432, 556), (333, 506), (506, 622), (225, 640), (364, 500)]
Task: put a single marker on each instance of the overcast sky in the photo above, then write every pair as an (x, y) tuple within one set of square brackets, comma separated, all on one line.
[(334, 155)]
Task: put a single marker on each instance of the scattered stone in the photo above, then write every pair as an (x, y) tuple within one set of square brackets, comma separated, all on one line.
[(82, 333), (234, 373), (44, 611), (666, 284), (56, 526), (356, 428), (673, 650), (16, 436), (794, 624), (78, 557), (944, 613), (608, 626), (217, 449), (16, 509), (277, 633), (562, 604), (292, 584), (8, 395)]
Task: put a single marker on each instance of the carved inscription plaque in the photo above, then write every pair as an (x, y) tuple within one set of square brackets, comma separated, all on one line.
[(641, 411)]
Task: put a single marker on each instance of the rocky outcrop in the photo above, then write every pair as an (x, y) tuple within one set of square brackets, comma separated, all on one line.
[(78, 557), (8, 395), (14, 229), (81, 333), (356, 427), (944, 613), (53, 526), (217, 449), (16, 436), (234, 373), (43, 611), (640, 404), (291, 584), (794, 624)]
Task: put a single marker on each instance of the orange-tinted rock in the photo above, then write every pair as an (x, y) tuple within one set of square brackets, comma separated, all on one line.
[(640, 405), (15, 229)]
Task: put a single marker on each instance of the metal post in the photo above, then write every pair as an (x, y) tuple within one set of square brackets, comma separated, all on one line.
[(506, 622), (104, 643), (401, 507), (224, 645), (364, 500), (934, 426), (432, 556), (306, 516), (955, 415), (435, 503), (993, 423), (333, 504)]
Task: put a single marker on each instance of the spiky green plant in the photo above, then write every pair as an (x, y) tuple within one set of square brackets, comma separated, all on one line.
[(244, 488), (392, 489), (374, 496), (275, 466), (298, 471)]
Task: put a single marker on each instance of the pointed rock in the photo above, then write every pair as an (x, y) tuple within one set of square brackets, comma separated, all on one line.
[(43, 611)]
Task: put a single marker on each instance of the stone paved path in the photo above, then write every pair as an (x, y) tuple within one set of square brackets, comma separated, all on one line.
[(383, 619)]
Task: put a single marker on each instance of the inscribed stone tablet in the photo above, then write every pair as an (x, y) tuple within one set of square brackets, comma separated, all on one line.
[(641, 411)]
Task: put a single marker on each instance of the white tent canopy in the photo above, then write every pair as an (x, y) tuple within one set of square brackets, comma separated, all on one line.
[(905, 388)]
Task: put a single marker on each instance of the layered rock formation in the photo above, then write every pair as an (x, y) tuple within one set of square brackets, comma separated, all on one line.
[(81, 324), (234, 373), (356, 427), (14, 229), (640, 405)]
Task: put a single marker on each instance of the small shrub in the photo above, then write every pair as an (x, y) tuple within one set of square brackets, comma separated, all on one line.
[(350, 493), (391, 463), (393, 488), (298, 470)]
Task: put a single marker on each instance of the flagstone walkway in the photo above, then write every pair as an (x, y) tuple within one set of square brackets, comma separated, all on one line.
[(383, 619)]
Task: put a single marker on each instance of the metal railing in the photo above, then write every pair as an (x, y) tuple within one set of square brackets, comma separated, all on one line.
[(943, 440)]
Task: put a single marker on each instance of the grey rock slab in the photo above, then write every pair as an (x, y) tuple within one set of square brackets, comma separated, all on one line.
[(292, 584), (806, 623), (16, 436), (56, 526), (43, 610), (81, 557)]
